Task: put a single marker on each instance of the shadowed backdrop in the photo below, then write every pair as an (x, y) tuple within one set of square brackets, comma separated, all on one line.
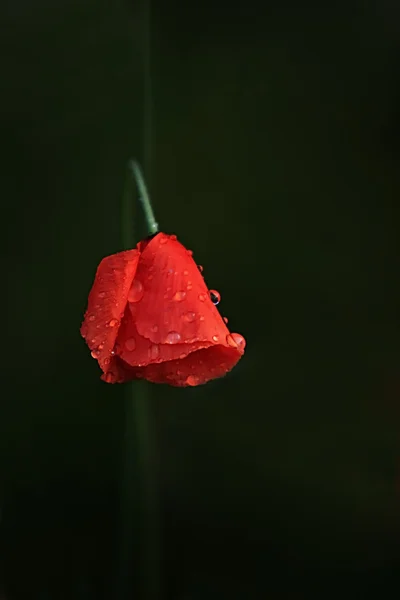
[(276, 160)]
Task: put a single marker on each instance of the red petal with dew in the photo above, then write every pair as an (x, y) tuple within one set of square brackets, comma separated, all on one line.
[(107, 303), (171, 331)]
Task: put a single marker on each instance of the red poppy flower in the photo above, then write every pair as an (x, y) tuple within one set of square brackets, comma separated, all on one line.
[(150, 316)]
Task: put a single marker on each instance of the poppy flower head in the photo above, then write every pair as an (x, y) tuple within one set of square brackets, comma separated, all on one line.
[(151, 316)]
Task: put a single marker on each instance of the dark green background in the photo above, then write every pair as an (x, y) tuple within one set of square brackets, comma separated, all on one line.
[(276, 159)]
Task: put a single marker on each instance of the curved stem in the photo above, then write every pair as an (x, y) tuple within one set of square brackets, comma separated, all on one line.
[(144, 197)]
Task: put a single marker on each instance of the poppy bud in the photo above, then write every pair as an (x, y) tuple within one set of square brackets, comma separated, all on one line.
[(150, 316)]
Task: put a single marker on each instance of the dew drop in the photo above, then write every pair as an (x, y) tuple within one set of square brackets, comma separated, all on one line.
[(182, 356), (109, 377), (154, 329), (202, 297), (189, 317), (189, 285), (113, 322), (130, 344), (154, 351), (173, 337), (239, 340), (186, 272), (136, 292), (102, 294), (230, 341), (95, 354), (173, 237), (179, 296), (215, 338), (192, 380), (201, 318), (116, 349), (91, 318), (107, 361), (100, 347), (200, 268), (190, 252), (225, 319), (150, 277), (215, 296), (163, 240)]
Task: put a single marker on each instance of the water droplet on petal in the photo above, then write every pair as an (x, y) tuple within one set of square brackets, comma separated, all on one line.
[(215, 296), (95, 354), (201, 318), (172, 237), (179, 296), (192, 380), (215, 338), (107, 361), (202, 297), (182, 356), (225, 319), (116, 349), (186, 272), (109, 377), (91, 318), (136, 292), (239, 340), (154, 351), (102, 294), (130, 344), (200, 268), (163, 240), (190, 252), (189, 317), (189, 285), (100, 347), (173, 337), (113, 322), (230, 341), (154, 329), (150, 277)]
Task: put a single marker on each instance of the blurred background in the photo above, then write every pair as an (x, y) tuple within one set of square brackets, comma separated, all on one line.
[(276, 149)]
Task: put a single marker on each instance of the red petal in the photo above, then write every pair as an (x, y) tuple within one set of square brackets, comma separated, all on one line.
[(197, 368), (176, 306), (107, 302), (171, 331)]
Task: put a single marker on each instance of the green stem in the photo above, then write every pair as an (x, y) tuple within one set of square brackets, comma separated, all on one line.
[(139, 526), (140, 538), (144, 197)]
